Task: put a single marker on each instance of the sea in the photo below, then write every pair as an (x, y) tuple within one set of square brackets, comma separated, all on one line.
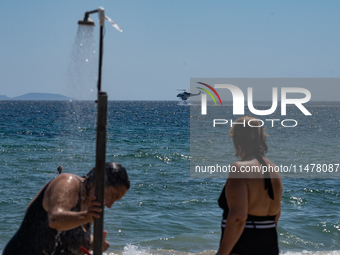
[(165, 211)]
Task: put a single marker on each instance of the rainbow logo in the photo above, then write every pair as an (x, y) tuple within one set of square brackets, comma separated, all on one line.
[(209, 93)]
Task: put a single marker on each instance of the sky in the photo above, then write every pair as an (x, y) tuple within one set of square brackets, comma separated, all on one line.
[(164, 43)]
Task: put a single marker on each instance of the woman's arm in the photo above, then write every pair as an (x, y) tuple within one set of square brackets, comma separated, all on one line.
[(60, 197), (237, 198), (61, 218)]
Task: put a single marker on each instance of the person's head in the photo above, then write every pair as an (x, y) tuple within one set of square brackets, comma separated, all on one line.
[(250, 138), (115, 176), (59, 169)]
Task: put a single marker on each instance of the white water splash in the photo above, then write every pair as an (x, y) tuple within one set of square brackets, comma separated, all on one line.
[(135, 250)]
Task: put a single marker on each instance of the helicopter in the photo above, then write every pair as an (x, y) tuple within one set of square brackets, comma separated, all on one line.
[(185, 95)]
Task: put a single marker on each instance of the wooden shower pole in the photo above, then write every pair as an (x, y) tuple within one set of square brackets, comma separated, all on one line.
[(100, 148)]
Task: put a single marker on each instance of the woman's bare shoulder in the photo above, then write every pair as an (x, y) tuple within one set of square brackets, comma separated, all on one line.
[(64, 183), (62, 192), (66, 176)]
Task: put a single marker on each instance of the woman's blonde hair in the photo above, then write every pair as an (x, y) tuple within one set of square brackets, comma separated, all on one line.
[(248, 139)]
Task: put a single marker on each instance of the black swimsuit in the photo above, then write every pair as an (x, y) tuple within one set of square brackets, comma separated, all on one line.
[(35, 237), (259, 236)]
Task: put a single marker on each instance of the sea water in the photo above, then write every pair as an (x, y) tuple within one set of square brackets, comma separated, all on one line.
[(165, 211)]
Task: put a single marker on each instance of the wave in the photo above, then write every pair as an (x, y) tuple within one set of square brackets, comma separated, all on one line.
[(138, 250)]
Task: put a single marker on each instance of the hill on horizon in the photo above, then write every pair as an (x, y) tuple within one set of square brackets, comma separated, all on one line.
[(3, 97), (37, 96)]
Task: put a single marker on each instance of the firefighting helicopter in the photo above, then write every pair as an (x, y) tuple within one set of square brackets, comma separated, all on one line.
[(185, 95)]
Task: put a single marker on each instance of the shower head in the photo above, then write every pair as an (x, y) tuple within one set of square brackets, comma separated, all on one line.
[(86, 21)]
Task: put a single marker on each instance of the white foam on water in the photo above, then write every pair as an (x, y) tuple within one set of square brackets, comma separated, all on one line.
[(135, 250), (312, 253), (130, 249), (138, 250)]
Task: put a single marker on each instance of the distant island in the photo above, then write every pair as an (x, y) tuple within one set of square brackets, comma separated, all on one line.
[(37, 96)]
